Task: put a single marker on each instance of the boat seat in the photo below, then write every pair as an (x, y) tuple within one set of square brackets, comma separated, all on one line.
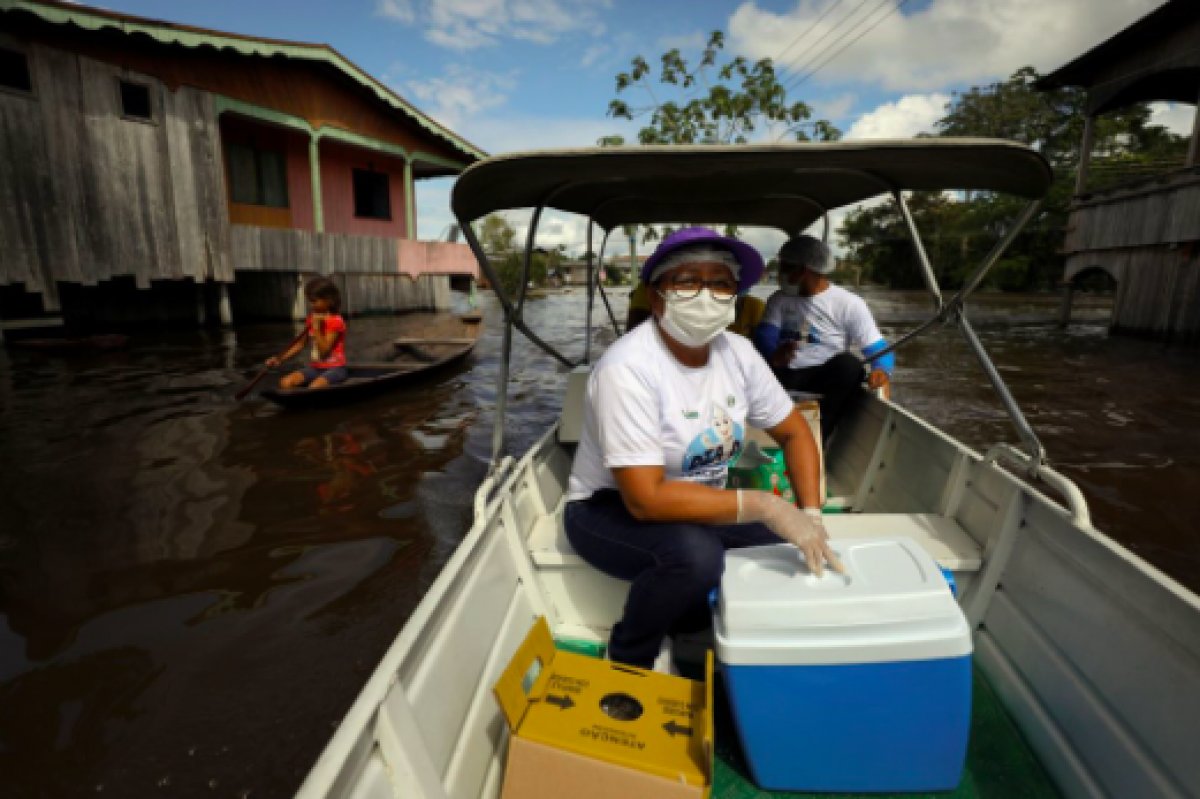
[(941, 536), (570, 424)]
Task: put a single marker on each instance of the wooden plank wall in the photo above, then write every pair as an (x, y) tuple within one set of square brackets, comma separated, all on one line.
[(282, 250), (366, 268), (1156, 212), (1158, 289), (89, 195), (1148, 238)]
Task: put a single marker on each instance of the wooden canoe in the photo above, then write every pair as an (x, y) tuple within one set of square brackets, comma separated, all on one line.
[(415, 360)]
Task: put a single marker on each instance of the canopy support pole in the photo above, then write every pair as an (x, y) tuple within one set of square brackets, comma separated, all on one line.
[(1085, 153), (954, 312), (1033, 447), (612, 317), (1193, 156), (512, 318), (591, 293), (922, 257)]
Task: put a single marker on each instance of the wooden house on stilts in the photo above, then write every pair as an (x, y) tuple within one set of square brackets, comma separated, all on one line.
[(158, 172), (1139, 225)]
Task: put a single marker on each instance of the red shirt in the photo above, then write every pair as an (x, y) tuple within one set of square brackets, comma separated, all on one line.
[(337, 354)]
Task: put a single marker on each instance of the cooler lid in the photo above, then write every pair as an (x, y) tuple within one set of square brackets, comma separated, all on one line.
[(892, 604)]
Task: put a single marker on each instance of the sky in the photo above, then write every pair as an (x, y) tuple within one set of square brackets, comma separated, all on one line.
[(529, 74)]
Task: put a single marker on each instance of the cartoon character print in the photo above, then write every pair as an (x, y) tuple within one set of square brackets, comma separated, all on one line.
[(798, 327), (707, 458)]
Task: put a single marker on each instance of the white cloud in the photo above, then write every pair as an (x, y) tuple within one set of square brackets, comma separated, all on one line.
[(902, 119), (470, 24), (399, 10), (461, 93), (1175, 117), (833, 107), (507, 133), (498, 133), (593, 54), (947, 42), (685, 42)]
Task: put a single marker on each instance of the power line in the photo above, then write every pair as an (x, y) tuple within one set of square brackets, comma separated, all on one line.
[(807, 30), (815, 52), (794, 83), (822, 59)]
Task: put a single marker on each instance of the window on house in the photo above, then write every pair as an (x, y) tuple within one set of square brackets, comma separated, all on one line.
[(371, 197), (14, 70), (135, 100), (257, 177)]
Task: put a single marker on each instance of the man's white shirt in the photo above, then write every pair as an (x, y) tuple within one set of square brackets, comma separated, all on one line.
[(825, 324)]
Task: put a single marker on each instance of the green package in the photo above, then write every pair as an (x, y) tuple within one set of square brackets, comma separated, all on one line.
[(761, 469)]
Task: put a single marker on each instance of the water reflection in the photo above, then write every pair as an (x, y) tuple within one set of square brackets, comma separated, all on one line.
[(192, 591)]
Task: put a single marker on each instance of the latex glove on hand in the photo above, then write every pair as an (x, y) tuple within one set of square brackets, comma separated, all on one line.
[(803, 529)]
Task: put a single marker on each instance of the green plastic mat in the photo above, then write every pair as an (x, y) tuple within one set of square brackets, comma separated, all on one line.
[(999, 762), (579, 646)]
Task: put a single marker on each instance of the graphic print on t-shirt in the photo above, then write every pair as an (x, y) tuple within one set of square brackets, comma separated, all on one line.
[(707, 456)]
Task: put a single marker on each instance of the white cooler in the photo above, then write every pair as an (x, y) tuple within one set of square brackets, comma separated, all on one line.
[(846, 683)]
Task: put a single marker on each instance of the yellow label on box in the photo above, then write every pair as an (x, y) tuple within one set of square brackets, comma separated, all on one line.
[(623, 715)]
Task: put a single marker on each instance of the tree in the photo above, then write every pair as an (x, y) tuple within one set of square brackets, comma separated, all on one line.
[(958, 232), (496, 235), (508, 270), (729, 107)]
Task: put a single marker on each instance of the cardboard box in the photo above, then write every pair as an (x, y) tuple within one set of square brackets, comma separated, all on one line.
[(594, 729)]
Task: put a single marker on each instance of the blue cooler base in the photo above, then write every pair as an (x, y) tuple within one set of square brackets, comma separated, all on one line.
[(876, 728)]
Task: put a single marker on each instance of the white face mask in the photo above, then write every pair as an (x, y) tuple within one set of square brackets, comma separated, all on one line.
[(695, 321)]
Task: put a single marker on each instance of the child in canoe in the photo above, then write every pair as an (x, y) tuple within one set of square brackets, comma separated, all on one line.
[(327, 332)]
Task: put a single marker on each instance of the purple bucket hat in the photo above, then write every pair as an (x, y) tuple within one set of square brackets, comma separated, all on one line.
[(747, 257)]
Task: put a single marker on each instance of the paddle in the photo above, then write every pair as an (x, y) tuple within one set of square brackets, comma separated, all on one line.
[(245, 390)]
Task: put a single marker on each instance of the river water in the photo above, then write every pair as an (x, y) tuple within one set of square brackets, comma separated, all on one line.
[(192, 590)]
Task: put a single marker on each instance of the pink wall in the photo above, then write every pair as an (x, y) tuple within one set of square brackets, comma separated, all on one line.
[(300, 197), (337, 190), (436, 258)]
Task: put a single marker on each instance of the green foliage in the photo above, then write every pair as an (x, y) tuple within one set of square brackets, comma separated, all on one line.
[(496, 235), (508, 270), (959, 232), (700, 107)]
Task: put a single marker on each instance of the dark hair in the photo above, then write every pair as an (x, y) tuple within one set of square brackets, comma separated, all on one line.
[(322, 288)]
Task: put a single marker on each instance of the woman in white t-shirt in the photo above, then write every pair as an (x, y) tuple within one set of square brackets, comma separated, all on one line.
[(665, 413)]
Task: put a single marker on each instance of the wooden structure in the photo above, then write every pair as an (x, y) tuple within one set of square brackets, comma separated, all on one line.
[(137, 152), (1145, 233)]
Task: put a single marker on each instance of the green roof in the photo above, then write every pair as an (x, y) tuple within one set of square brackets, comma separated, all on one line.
[(95, 19)]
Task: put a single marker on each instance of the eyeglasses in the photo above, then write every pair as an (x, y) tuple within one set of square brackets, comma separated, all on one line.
[(689, 286)]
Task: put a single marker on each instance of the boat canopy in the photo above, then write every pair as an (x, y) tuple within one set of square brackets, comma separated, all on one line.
[(784, 186)]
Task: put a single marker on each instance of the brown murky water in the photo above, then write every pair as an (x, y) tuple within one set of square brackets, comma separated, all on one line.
[(192, 591)]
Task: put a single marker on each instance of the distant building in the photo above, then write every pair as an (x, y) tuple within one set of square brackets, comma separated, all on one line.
[(158, 171), (630, 269), (1142, 228)]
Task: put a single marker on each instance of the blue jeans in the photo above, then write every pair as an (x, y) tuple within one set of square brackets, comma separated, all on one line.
[(333, 374), (673, 567)]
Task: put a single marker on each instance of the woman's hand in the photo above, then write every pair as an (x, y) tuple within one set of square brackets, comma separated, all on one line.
[(803, 529)]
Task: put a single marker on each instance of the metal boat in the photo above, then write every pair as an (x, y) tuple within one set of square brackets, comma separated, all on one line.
[(1087, 657)]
